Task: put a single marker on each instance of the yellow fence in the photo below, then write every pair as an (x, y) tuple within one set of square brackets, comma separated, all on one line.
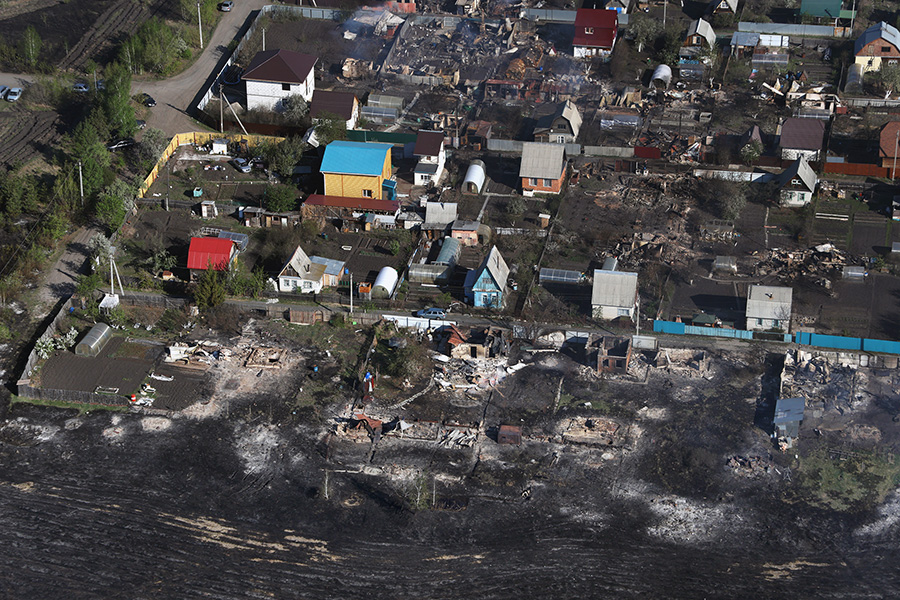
[(198, 138)]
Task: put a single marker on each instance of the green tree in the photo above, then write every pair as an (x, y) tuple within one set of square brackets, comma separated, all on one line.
[(725, 199), (394, 247), (672, 40), (751, 151), (85, 147), (209, 291), (86, 285), (515, 208), (12, 192), (281, 198), (890, 76), (285, 154), (330, 127), (644, 30), (116, 200), (54, 226), (295, 109), (115, 99), (31, 45), (153, 143)]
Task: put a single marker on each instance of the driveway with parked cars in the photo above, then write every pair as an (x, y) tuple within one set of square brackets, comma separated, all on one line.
[(174, 95)]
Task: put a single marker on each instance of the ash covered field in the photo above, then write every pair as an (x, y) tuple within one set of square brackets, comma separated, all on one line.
[(661, 488)]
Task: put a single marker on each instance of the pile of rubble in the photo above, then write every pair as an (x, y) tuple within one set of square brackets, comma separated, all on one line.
[(822, 264), (463, 374), (750, 466), (826, 386)]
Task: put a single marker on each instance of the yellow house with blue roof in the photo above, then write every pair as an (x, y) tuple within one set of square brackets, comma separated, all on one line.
[(358, 170)]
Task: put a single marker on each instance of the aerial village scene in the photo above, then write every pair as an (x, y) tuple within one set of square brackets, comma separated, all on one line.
[(459, 299)]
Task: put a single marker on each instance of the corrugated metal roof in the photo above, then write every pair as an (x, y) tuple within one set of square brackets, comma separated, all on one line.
[(355, 158), (744, 38), (460, 225), (568, 111), (789, 409), (497, 267), (704, 29), (821, 8), (544, 161), (334, 103), (299, 262), (879, 31), (428, 143), (333, 266), (603, 23), (280, 66), (769, 302), (799, 169), (440, 214), (614, 288), (802, 134), (209, 251), (360, 204)]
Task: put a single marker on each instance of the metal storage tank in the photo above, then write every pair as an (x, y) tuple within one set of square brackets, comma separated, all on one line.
[(385, 283), (475, 177), (92, 344)]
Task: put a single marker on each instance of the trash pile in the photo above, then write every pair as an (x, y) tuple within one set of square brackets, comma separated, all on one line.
[(750, 466), (821, 264), (463, 374)]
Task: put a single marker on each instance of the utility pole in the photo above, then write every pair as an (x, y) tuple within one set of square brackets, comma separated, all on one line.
[(221, 110), (168, 175), (200, 25), (665, 8), (81, 183), (264, 39), (351, 292), (894, 169)]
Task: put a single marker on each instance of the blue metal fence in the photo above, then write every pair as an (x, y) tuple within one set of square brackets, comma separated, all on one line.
[(716, 332), (884, 346), (803, 338)]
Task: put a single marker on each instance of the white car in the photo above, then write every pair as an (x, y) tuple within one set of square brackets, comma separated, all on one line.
[(14, 94), (241, 165)]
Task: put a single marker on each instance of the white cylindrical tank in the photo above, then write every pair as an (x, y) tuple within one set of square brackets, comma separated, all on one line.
[(385, 283), (475, 176)]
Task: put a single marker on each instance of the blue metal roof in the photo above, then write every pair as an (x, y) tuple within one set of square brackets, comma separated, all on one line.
[(354, 158), (332, 266)]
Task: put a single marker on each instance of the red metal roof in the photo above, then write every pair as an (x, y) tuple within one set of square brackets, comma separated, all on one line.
[(604, 24), (281, 66), (889, 136), (209, 250), (361, 204)]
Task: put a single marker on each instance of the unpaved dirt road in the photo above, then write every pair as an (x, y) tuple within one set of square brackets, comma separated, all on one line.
[(59, 281), (174, 95)]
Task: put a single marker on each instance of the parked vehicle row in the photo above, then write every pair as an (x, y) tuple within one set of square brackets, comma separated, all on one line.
[(11, 94)]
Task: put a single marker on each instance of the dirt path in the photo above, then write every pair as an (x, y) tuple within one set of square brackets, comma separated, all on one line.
[(174, 95), (60, 278)]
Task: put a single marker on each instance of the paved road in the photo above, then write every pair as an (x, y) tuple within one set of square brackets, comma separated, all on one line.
[(174, 95)]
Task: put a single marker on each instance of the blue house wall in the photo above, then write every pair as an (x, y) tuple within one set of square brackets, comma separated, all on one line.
[(485, 291)]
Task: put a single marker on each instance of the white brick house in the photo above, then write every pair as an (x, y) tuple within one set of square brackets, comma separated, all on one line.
[(276, 74)]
